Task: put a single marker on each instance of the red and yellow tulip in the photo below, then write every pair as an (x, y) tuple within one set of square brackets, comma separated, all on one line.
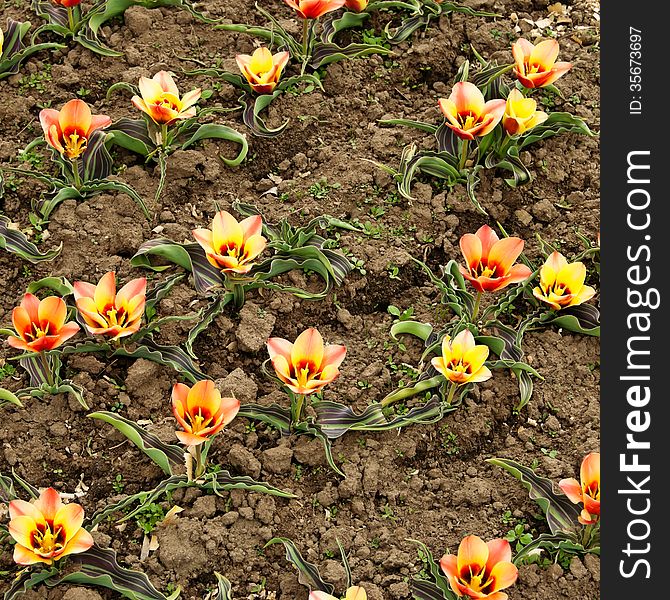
[(356, 5), (536, 66), (40, 324), (46, 530), (161, 100), (353, 593), (201, 411), (68, 3), (69, 129), (230, 245), (490, 260), (587, 490), (462, 360), (521, 114), (108, 312), (313, 9), (262, 69), (480, 570), (562, 283), (306, 366), (468, 114)]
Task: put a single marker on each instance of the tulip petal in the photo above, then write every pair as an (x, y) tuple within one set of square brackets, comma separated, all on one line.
[(472, 555), (519, 273), (22, 322), (188, 439), (21, 507), (190, 98), (31, 304), (21, 528), (476, 357), (544, 54), (70, 518), (75, 117), (472, 248), (572, 489), (279, 347), (24, 556), (333, 355), (589, 472), (572, 277), (203, 397), (321, 596), (166, 82), (98, 122), (504, 254), (226, 232), (504, 574), (132, 289), (356, 593), (499, 551), (105, 292), (251, 226), (253, 247), (308, 349), (585, 294), (52, 313), (228, 409), (49, 503), (483, 374), (467, 98), (81, 541), (150, 90)]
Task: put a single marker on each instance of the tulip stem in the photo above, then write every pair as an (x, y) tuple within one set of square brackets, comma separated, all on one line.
[(305, 43), (47, 369), (199, 467), (297, 406), (475, 308), (164, 135), (75, 173), (238, 295), (452, 391), (70, 19), (465, 148)]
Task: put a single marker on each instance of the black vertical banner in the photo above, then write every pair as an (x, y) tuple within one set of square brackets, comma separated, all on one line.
[(635, 294)]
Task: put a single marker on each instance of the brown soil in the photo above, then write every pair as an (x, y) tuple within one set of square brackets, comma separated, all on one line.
[(429, 483)]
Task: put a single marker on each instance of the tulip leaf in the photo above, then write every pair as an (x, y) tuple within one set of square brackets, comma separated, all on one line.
[(99, 567), (97, 187), (131, 134), (28, 580), (308, 574), (13, 52), (7, 397), (7, 489), (326, 53), (215, 308), (220, 132), (437, 586), (558, 122), (584, 318), (158, 293), (553, 542), (335, 419), (560, 512), (274, 415), (47, 205), (331, 24), (16, 242), (60, 285), (164, 455), (420, 125), (415, 328), (96, 162), (170, 356), (252, 119), (223, 589)]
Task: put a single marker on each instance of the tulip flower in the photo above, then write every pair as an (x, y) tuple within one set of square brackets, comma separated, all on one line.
[(480, 570), (313, 9), (521, 114), (262, 69), (161, 101), (468, 114), (232, 246), (306, 366), (353, 593), (356, 5), (68, 3), (562, 283), (201, 411), (108, 312), (47, 530), (40, 324), (462, 361), (586, 492), (490, 260), (536, 66), (69, 129), (2, 41)]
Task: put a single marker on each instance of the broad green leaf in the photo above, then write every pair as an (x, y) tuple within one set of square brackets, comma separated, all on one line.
[(16, 242), (308, 574), (221, 132)]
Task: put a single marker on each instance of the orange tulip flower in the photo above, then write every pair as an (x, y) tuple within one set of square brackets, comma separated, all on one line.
[(201, 411), (69, 129), (262, 69), (588, 491), (306, 366), (562, 284), (356, 6), (68, 3), (47, 530), (230, 245), (490, 260), (161, 101), (536, 66), (480, 570), (313, 9), (521, 114), (353, 593), (462, 360), (108, 312), (40, 324), (468, 114)]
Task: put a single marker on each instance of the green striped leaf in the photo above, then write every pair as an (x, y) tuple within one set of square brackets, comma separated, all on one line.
[(308, 574), (165, 455), (16, 242), (562, 515)]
